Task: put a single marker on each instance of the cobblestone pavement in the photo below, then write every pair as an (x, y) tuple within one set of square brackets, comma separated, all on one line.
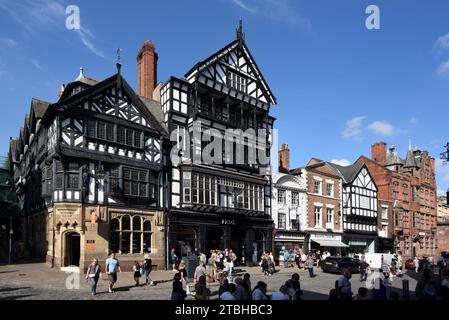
[(39, 281)]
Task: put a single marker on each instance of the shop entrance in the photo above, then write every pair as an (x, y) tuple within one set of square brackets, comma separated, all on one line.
[(186, 241), (214, 240), (238, 245), (72, 249)]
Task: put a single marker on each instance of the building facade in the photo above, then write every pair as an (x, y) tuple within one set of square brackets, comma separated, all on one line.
[(89, 173), (360, 208), (324, 228), (220, 203), (408, 188), (289, 207), (443, 224)]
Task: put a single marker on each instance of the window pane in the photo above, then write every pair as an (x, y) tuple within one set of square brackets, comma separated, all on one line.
[(115, 224), (101, 134), (129, 137), (73, 181), (121, 135), (126, 238), (137, 139), (114, 241), (126, 223), (110, 132), (147, 242), (147, 226), (91, 129), (137, 242), (137, 225)]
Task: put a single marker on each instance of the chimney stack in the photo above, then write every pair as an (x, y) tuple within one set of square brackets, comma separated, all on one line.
[(379, 152), (147, 69), (284, 159)]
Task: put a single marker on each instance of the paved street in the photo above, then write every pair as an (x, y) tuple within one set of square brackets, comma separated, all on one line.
[(38, 281)]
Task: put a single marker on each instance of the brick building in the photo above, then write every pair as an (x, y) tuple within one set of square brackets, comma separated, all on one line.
[(407, 193), (324, 219)]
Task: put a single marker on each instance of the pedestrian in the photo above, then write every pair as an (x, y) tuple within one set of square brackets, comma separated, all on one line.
[(286, 258), (282, 294), (416, 263), (210, 268), (298, 259), (264, 264), (318, 258), (344, 286), (294, 287), (112, 266), (229, 293), (137, 274), (260, 291), (202, 258), (233, 257), (241, 292), (363, 270), (92, 275), (400, 264), (271, 266), (362, 294), (178, 292), (310, 263), (174, 259), (386, 272), (247, 283), (223, 283), (303, 260), (201, 290), (200, 270), (426, 288), (183, 275), (147, 268)]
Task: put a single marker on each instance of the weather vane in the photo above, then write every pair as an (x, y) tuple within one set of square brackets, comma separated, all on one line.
[(119, 51)]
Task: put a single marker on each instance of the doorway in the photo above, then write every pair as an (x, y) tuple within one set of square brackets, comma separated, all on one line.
[(73, 248)]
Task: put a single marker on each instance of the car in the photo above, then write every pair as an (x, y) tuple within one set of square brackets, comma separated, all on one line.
[(340, 264), (409, 264)]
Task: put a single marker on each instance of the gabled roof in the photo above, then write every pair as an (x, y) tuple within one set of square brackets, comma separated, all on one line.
[(115, 80), (251, 62), (348, 173), (410, 161), (39, 107)]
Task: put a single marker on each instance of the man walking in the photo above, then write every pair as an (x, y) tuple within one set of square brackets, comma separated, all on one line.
[(344, 286), (112, 266), (310, 264)]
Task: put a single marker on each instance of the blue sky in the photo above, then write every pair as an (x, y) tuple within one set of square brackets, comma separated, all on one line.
[(340, 87)]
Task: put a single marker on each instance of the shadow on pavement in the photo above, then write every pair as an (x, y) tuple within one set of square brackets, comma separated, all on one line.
[(17, 297), (7, 289)]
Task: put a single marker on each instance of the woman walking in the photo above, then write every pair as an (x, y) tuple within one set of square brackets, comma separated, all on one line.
[(178, 292), (92, 275), (173, 259), (147, 268), (136, 269)]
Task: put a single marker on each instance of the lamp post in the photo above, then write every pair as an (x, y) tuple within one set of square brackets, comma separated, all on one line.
[(10, 244)]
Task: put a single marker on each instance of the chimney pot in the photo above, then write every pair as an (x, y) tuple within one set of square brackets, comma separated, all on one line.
[(284, 159)]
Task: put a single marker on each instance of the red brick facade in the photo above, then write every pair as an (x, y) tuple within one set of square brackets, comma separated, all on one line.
[(147, 70), (410, 193)]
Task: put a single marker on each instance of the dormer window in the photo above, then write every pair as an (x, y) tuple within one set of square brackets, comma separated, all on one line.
[(236, 81)]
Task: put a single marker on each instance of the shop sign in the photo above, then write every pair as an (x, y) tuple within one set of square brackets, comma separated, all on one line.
[(228, 222), (90, 244)]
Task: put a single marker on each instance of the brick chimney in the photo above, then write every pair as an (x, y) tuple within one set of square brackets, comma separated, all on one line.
[(379, 152), (284, 159), (147, 70)]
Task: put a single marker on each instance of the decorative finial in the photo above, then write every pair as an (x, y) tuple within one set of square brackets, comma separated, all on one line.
[(409, 143), (119, 51), (239, 32)]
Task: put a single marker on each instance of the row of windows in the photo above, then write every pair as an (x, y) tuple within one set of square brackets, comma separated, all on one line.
[(130, 234), (135, 182), (318, 216), (317, 188), (282, 198), (236, 81), (114, 133), (199, 188)]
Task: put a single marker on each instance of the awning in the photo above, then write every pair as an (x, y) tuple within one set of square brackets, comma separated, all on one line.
[(330, 243)]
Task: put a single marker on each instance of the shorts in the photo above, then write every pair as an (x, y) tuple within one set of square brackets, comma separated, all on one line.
[(112, 277)]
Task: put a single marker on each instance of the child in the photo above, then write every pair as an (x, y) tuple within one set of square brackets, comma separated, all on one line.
[(136, 269)]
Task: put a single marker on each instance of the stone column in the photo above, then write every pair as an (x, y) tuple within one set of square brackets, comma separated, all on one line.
[(226, 237)]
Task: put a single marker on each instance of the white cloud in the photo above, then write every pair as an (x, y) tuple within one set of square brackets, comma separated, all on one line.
[(383, 128), (443, 68), (341, 162), (442, 170), (413, 120), (276, 10), (7, 42), (353, 130), (36, 15), (443, 41)]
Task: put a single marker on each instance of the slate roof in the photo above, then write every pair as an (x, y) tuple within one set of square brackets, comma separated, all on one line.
[(39, 107), (348, 173), (156, 110)]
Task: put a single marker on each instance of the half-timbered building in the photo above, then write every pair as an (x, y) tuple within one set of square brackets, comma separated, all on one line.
[(89, 171), (220, 205), (360, 213)]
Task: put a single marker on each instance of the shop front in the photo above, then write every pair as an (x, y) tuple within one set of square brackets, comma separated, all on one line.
[(291, 241), (360, 244), (331, 242)]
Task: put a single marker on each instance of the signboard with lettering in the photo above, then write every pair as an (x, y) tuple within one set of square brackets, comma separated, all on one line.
[(228, 222)]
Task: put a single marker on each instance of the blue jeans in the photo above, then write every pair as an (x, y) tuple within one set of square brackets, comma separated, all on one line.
[(286, 263), (93, 284), (147, 276)]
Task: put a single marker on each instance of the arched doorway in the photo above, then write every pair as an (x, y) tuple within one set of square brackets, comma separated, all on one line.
[(72, 249)]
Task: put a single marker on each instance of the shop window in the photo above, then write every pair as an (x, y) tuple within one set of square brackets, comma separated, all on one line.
[(125, 239)]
